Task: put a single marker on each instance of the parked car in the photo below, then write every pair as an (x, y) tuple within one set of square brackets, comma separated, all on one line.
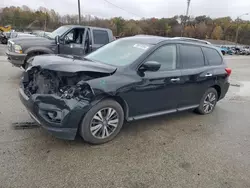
[(245, 51), (40, 33), (128, 79), (233, 49), (4, 36), (225, 50), (14, 35), (69, 39)]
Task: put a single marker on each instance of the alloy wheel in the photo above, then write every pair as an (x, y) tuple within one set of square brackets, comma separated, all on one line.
[(104, 123), (209, 102)]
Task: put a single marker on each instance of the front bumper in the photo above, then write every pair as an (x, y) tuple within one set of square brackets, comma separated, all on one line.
[(16, 59), (71, 110)]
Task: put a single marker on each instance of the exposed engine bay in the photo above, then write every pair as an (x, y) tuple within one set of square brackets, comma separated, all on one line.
[(64, 84)]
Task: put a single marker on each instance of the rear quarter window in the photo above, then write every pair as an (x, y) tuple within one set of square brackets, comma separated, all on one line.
[(100, 36), (213, 56)]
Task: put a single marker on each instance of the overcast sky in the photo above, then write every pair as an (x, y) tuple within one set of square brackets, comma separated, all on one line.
[(142, 8)]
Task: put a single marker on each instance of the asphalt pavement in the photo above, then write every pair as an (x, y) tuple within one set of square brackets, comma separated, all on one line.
[(183, 150), (3, 48)]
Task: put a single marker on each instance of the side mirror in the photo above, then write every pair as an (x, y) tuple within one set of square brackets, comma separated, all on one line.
[(57, 39), (150, 66)]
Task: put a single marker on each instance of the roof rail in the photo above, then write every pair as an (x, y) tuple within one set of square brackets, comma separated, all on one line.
[(191, 40)]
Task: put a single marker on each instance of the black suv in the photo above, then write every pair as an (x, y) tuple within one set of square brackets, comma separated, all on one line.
[(128, 79)]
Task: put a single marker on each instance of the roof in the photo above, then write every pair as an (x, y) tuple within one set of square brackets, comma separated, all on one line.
[(151, 39), (84, 26), (191, 40)]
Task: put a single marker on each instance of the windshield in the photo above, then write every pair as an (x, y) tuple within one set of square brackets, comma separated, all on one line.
[(119, 53), (59, 31)]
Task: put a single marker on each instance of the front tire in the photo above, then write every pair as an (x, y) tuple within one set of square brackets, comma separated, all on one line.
[(4, 41), (208, 102), (102, 122)]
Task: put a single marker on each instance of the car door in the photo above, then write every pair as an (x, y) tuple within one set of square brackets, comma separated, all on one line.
[(196, 77), (157, 91), (73, 42), (99, 38)]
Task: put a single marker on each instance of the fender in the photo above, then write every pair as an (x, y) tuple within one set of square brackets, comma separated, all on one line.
[(39, 49)]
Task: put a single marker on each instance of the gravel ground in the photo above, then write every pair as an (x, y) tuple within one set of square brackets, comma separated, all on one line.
[(181, 150)]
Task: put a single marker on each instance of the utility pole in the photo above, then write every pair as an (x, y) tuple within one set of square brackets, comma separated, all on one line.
[(238, 28), (185, 20), (45, 22), (188, 5), (79, 11)]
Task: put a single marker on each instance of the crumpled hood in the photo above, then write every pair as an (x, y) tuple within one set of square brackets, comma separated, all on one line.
[(68, 63), (32, 41)]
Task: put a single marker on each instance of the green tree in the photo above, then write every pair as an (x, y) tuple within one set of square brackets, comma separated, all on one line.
[(217, 33), (132, 28), (168, 29), (118, 23)]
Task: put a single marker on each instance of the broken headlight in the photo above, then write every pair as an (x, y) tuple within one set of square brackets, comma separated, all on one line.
[(81, 91)]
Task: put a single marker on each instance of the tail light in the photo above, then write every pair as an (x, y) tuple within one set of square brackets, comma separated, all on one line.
[(229, 71)]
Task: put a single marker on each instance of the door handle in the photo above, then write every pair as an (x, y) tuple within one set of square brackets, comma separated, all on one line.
[(175, 80), (208, 75)]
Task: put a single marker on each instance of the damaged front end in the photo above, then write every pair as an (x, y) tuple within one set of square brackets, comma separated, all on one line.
[(58, 100), (62, 84)]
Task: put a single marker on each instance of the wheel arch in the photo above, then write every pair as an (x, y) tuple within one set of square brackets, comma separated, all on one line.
[(218, 89), (38, 51), (116, 98)]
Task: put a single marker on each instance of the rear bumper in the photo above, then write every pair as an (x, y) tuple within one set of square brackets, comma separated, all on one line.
[(224, 90), (16, 59), (71, 113)]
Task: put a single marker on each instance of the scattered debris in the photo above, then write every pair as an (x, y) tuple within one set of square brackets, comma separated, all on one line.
[(25, 125), (185, 165), (235, 85)]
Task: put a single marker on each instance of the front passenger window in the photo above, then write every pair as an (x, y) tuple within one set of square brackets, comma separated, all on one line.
[(166, 56)]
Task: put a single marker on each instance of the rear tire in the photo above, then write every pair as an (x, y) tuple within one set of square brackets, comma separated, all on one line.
[(208, 102), (95, 131), (223, 52)]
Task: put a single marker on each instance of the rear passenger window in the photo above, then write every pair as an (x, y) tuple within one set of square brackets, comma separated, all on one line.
[(191, 56), (212, 56), (100, 37)]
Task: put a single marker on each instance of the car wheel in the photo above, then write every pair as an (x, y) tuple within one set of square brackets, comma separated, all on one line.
[(4, 41), (208, 102), (223, 52), (102, 122)]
